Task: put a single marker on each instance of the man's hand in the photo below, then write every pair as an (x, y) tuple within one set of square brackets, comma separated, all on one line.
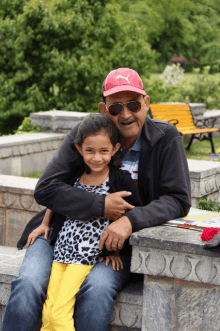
[(116, 206), (115, 234)]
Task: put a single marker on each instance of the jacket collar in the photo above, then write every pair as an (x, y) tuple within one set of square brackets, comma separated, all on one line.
[(151, 132)]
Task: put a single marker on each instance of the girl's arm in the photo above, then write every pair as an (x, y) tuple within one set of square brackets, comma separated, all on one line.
[(115, 259), (44, 228)]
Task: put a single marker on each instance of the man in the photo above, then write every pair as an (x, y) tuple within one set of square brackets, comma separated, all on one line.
[(154, 154)]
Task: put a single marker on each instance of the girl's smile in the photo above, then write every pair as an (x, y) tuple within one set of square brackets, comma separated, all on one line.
[(97, 151)]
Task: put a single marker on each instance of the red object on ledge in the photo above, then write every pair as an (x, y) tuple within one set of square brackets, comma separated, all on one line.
[(208, 233)]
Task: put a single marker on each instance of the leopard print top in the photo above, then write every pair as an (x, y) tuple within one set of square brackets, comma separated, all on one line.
[(78, 241)]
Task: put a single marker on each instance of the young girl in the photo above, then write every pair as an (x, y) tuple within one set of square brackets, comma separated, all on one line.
[(77, 246)]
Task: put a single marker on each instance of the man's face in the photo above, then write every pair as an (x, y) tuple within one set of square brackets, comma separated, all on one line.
[(128, 123)]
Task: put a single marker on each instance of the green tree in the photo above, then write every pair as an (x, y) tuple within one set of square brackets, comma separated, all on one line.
[(56, 53), (189, 27)]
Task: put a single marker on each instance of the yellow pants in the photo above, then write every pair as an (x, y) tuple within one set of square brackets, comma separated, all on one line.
[(65, 282)]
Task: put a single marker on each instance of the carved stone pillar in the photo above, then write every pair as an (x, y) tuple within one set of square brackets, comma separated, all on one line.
[(181, 286)]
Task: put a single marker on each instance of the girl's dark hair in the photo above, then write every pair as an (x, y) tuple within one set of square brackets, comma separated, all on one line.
[(91, 125)]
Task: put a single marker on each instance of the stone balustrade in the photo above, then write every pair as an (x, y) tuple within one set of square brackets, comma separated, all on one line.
[(216, 114), (27, 153), (181, 280), (57, 120), (205, 180), (17, 207)]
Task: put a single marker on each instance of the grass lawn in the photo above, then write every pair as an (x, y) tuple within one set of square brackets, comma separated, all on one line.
[(200, 150), (33, 175)]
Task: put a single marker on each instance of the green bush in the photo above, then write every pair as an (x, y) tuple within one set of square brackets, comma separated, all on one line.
[(206, 204), (26, 126), (159, 92), (205, 89), (55, 54)]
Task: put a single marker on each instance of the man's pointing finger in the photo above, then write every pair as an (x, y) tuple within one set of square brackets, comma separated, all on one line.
[(102, 240)]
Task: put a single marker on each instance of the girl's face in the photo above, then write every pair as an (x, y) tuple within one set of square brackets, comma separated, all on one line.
[(97, 151)]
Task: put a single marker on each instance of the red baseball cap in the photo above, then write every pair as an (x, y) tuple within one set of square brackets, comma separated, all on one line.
[(122, 79)]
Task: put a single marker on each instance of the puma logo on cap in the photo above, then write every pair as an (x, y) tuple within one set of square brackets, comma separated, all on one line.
[(126, 78)]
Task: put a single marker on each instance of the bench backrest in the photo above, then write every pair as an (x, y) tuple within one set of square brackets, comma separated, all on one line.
[(180, 112)]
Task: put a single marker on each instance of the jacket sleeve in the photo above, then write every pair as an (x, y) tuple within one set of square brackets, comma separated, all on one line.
[(174, 190), (54, 192)]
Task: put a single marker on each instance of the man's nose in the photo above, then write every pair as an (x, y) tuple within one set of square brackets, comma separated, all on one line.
[(125, 113)]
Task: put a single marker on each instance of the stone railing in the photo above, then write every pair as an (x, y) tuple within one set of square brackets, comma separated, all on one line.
[(57, 120), (27, 153), (216, 115), (17, 207), (181, 280), (205, 180)]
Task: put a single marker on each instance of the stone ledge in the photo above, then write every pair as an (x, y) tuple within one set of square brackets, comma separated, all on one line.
[(57, 120), (27, 153), (18, 145), (173, 252), (200, 169), (204, 179), (17, 207), (181, 281), (187, 267), (171, 238), (17, 193)]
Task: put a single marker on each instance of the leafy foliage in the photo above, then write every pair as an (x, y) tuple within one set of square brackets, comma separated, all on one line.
[(188, 28), (26, 126), (56, 53), (204, 89), (206, 204)]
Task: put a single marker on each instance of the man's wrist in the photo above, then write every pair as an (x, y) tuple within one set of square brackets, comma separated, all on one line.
[(127, 222)]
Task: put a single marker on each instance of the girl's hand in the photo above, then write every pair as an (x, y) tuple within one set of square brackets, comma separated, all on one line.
[(116, 261), (42, 229)]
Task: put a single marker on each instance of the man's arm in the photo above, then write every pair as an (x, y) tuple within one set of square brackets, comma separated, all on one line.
[(175, 192), (54, 191), (174, 200)]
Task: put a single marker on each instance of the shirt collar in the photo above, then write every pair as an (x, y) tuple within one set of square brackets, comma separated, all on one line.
[(136, 146)]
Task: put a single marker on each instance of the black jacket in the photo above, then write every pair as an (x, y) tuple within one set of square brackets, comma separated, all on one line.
[(119, 180), (163, 180)]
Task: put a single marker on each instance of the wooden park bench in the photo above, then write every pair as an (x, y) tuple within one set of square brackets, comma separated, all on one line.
[(180, 116)]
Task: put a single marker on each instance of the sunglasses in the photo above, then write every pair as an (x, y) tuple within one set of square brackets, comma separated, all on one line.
[(116, 108)]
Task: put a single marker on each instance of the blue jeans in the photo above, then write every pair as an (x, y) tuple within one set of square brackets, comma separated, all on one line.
[(95, 298)]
